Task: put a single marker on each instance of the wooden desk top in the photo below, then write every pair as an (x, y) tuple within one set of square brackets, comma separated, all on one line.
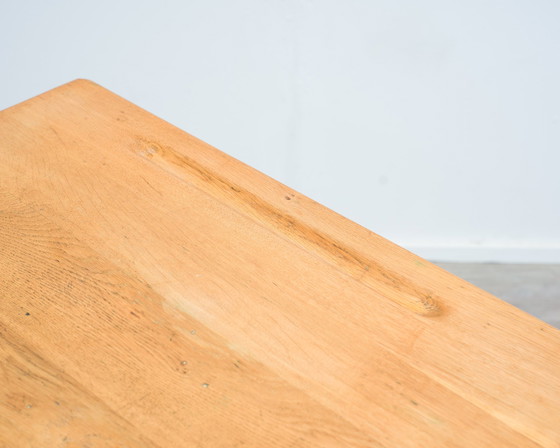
[(155, 292)]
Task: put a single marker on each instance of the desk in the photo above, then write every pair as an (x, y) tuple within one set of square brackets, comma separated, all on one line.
[(155, 292)]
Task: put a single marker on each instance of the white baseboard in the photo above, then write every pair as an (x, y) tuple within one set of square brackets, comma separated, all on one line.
[(488, 254)]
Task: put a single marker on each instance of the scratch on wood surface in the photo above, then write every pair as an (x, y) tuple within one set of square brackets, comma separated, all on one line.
[(360, 267)]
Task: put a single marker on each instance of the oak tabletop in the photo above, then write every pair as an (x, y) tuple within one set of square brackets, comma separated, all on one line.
[(156, 292)]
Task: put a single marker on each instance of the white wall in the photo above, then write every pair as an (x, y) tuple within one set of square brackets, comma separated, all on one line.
[(434, 123)]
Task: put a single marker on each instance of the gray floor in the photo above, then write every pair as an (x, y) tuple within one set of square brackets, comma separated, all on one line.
[(535, 288)]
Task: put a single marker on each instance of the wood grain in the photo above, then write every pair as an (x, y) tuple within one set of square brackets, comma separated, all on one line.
[(156, 292)]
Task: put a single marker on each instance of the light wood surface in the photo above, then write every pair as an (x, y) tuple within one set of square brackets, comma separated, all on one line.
[(155, 292)]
